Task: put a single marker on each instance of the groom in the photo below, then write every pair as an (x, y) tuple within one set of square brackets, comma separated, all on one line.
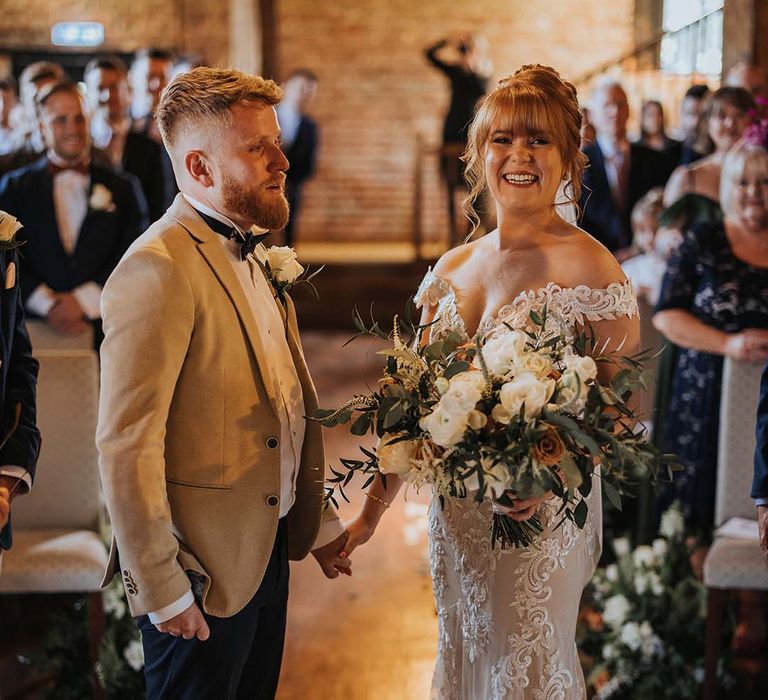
[(213, 478)]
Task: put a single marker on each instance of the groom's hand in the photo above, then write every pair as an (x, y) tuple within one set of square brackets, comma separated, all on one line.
[(188, 624), (330, 557)]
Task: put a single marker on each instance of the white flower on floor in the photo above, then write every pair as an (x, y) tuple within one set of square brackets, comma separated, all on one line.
[(672, 524), (660, 548), (621, 546), (631, 636), (641, 583), (101, 198), (643, 556), (134, 654), (114, 601), (616, 610), (283, 264), (612, 573)]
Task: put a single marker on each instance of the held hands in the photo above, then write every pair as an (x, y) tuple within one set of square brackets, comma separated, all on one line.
[(333, 558), (750, 345), (66, 315), (522, 508), (188, 624), (762, 524)]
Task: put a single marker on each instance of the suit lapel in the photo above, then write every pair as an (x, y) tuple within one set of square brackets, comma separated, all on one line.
[(49, 224), (213, 252)]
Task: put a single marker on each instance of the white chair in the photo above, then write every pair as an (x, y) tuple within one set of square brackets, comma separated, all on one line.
[(44, 337), (56, 542), (733, 564)]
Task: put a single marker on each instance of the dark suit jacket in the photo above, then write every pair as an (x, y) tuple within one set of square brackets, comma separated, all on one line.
[(302, 153), (600, 215), (18, 380), (104, 236), (760, 481)]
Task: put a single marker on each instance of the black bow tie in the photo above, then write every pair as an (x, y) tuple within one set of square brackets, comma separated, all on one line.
[(248, 240)]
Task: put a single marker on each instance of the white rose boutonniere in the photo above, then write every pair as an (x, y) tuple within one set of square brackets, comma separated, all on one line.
[(9, 227), (283, 264), (101, 198)]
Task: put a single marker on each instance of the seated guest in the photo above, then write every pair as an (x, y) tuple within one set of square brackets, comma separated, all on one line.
[(79, 217), (7, 103), (108, 95), (28, 143), (653, 133), (619, 173), (646, 269), (18, 371), (690, 124), (714, 304)]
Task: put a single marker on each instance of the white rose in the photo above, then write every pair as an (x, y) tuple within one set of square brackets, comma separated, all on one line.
[(134, 654), (616, 611), (612, 573), (501, 414), (465, 391), (283, 264), (660, 548), (538, 364), (526, 389), (477, 420), (445, 429), (9, 226), (501, 352), (585, 367), (630, 635), (395, 458), (621, 546), (643, 556), (672, 524), (101, 198)]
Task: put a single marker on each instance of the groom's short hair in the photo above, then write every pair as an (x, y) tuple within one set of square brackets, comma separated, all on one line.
[(208, 94)]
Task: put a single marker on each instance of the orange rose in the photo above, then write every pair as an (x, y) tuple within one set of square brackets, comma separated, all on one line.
[(549, 449)]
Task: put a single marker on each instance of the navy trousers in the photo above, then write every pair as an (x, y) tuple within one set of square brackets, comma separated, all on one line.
[(242, 657)]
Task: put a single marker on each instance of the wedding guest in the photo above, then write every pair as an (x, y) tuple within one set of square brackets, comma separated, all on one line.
[(760, 482), (465, 60), (8, 101), (653, 132), (619, 173), (748, 76), (29, 144), (646, 269), (18, 380), (690, 123), (300, 139), (588, 134), (150, 72), (714, 304), (108, 96), (79, 216)]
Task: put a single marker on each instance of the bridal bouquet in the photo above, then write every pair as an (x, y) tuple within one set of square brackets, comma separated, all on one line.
[(520, 412)]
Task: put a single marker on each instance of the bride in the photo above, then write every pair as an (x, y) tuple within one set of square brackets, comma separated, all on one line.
[(507, 619)]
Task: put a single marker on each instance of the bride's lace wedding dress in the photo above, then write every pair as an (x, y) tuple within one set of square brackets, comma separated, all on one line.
[(507, 619)]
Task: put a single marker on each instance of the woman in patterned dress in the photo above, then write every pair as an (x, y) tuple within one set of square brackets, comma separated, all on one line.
[(507, 619)]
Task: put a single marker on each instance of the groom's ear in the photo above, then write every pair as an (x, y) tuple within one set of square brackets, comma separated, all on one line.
[(197, 165)]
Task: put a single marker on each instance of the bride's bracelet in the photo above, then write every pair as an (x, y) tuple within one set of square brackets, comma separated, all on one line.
[(386, 504)]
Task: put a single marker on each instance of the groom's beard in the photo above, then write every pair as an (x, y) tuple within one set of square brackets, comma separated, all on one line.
[(266, 209)]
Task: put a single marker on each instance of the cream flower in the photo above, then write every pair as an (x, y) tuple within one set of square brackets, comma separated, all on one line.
[(9, 226), (621, 546), (502, 351), (534, 362), (631, 636), (526, 389), (616, 610), (585, 367), (101, 198), (395, 458), (134, 654), (672, 524), (465, 390), (283, 264), (644, 556), (445, 429)]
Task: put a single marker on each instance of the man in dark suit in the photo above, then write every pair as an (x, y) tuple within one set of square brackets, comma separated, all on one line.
[(760, 482), (108, 96), (300, 138), (619, 173), (19, 437), (79, 217)]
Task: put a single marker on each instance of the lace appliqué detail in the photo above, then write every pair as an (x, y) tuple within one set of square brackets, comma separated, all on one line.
[(436, 291)]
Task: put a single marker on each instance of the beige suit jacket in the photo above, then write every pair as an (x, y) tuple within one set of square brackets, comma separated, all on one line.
[(188, 432)]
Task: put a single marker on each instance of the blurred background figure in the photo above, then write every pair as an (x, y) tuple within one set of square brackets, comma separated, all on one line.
[(150, 73), (653, 130), (28, 144), (465, 60), (8, 100), (748, 76), (300, 139), (108, 95), (619, 173), (690, 123), (588, 134)]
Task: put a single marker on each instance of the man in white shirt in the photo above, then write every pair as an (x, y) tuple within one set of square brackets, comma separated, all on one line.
[(212, 476)]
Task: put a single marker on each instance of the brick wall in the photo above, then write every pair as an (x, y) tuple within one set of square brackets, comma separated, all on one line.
[(378, 95)]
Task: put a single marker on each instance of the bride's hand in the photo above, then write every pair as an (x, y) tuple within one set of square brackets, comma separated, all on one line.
[(522, 508), (359, 531)]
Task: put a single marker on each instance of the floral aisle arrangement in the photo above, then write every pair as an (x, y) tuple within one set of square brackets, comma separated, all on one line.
[(642, 623), (519, 411)]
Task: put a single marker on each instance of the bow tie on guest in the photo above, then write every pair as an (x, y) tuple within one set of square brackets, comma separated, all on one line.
[(80, 167), (248, 240)]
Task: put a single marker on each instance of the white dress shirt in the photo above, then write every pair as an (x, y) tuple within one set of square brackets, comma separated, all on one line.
[(281, 373), (70, 201)]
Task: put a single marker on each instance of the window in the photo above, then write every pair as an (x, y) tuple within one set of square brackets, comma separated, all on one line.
[(693, 37)]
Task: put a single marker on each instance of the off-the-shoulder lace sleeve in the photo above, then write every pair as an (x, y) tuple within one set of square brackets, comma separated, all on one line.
[(431, 290)]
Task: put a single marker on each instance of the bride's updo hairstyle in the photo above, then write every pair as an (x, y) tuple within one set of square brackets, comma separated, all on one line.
[(535, 100)]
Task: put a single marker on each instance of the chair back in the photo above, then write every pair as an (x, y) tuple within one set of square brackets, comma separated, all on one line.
[(736, 441), (67, 491)]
